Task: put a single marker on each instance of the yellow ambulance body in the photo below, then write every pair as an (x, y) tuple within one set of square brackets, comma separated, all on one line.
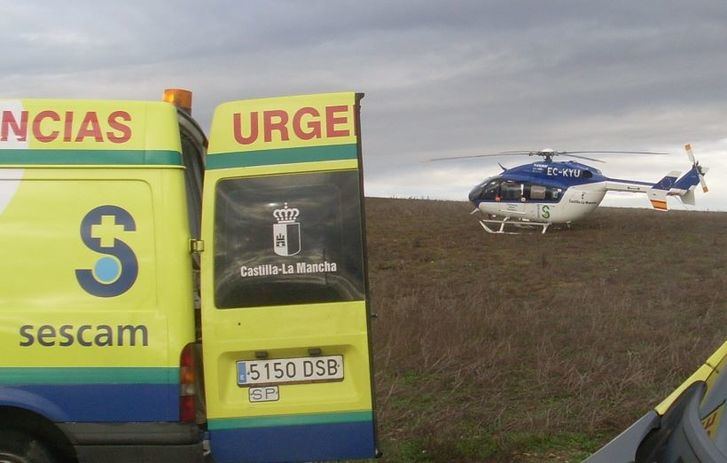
[(102, 249)]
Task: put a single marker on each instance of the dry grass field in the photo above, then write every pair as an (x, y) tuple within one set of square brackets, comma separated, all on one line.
[(532, 348)]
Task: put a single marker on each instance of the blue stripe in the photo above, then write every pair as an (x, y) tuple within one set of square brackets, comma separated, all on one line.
[(10, 376), (332, 441), (97, 402)]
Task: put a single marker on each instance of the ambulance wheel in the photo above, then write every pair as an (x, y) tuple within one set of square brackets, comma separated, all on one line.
[(16, 447)]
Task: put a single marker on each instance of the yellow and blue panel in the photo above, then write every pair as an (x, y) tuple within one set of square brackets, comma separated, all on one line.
[(282, 210), (83, 333)]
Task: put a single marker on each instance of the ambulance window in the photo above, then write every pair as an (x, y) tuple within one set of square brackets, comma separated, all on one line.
[(288, 239)]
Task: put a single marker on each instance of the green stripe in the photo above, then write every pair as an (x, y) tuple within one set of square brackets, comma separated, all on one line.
[(90, 157), (15, 376), (290, 420), (282, 156)]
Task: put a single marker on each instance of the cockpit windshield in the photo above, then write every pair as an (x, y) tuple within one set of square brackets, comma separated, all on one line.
[(479, 191), (499, 189)]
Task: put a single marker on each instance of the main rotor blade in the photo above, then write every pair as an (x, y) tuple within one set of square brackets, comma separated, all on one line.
[(548, 154), (612, 152), (481, 156), (581, 157)]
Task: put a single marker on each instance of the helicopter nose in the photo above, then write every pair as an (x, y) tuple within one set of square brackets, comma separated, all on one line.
[(476, 194)]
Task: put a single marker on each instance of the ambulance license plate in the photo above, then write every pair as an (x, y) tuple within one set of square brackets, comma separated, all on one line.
[(291, 370)]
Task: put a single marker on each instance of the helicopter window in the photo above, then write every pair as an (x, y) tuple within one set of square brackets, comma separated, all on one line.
[(553, 194), (508, 190), (537, 192), (541, 193), (511, 191), (490, 191)]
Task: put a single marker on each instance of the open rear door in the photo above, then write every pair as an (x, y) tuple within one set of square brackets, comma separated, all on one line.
[(285, 323)]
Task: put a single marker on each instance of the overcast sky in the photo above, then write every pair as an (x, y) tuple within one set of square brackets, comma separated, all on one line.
[(440, 78)]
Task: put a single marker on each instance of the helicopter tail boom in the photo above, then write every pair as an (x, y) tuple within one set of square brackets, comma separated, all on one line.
[(670, 185)]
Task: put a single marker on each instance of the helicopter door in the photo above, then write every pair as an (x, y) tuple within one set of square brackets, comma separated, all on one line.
[(285, 318), (512, 198)]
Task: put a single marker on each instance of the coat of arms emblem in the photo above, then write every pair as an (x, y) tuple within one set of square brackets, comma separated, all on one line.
[(286, 233)]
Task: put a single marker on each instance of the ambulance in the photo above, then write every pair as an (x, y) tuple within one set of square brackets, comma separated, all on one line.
[(165, 297)]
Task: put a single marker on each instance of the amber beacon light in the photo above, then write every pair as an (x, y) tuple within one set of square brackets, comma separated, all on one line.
[(180, 98)]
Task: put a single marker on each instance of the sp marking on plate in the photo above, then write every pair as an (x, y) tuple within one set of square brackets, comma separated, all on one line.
[(264, 394)]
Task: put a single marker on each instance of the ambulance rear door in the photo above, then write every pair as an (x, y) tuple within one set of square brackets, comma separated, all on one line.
[(285, 321)]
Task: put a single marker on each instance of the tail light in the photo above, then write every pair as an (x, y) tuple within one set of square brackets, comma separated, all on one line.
[(187, 385)]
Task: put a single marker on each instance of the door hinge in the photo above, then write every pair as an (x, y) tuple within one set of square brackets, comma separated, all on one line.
[(196, 246)]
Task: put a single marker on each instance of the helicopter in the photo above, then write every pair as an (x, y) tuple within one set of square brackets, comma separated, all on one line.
[(549, 192)]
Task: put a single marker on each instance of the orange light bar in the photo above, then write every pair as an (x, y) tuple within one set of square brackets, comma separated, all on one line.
[(180, 98)]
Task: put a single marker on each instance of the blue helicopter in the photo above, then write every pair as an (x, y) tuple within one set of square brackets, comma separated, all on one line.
[(548, 192)]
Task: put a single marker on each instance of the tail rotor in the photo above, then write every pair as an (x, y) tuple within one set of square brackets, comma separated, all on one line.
[(701, 171)]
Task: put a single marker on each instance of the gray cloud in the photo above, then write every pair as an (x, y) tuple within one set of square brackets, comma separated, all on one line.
[(441, 78)]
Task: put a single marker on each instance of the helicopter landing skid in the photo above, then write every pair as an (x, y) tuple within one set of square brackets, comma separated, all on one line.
[(505, 221)]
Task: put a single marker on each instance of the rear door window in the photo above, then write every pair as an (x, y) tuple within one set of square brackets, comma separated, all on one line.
[(288, 239)]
